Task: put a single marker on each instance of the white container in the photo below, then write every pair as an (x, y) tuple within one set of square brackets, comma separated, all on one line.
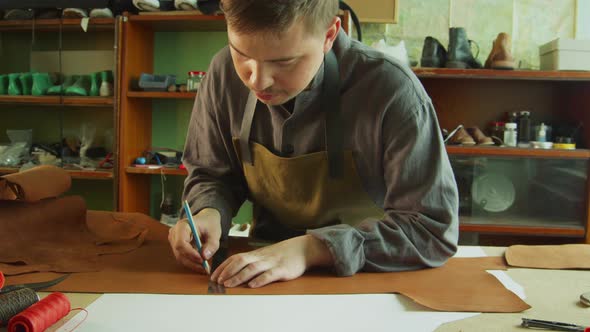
[(510, 135), (565, 54)]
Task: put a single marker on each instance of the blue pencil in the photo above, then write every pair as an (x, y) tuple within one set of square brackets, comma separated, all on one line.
[(191, 223)]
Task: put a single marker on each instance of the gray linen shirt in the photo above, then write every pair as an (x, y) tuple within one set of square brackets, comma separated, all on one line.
[(392, 129)]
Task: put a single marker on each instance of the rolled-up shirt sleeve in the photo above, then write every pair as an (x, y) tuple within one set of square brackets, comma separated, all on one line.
[(420, 223)]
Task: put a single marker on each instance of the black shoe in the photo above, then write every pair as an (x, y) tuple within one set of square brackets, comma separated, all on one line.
[(434, 54), (460, 55)]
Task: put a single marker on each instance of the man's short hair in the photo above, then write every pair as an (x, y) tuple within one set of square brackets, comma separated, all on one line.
[(246, 16)]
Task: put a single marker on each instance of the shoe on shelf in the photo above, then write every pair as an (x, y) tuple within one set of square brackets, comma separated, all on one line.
[(41, 83), (26, 83), (3, 84), (19, 14), (60, 88), (434, 54), (147, 5), (501, 55), (14, 86), (459, 136), (101, 13), (459, 52), (74, 13), (106, 83), (479, 137), (185, 4), (80, 88)]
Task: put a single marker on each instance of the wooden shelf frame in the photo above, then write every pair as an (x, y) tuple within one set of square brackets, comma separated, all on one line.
[(58, 100), (178, 21), (67, 24), (161, 95), (156, 171), (491, 74), (74, 173), (492, 151)]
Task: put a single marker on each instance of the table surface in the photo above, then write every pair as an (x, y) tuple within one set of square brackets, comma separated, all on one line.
[(553, 295)]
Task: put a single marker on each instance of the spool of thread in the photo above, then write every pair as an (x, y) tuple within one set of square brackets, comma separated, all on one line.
[(41, 315), (14, 302), (1, 280)]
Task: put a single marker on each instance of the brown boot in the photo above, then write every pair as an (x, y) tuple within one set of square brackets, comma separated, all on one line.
[(501, 57), (479, 137)]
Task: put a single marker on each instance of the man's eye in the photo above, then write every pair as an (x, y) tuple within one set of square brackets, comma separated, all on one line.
[(285, 62)]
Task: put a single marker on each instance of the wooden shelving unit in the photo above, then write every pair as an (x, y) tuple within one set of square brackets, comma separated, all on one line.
[(75, 174), (161, 95), (179, 22)]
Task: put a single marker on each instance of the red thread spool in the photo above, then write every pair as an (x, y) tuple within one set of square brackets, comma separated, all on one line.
[(41, 315), (1, 280)]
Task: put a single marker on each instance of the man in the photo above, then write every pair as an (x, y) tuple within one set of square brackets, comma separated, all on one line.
[(337, 145)]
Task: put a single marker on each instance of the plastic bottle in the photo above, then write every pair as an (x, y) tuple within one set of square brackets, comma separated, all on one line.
[(542, 133), (510, 134)]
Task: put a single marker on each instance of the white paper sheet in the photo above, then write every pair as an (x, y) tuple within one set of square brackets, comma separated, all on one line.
[(244, 313)]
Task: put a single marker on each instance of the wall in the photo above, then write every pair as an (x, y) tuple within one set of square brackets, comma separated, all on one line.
[(530, 23)]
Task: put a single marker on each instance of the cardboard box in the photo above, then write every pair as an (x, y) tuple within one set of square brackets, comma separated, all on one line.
[(565, 54)]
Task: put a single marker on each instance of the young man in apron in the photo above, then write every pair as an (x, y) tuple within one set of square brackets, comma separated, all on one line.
[(336, 144)]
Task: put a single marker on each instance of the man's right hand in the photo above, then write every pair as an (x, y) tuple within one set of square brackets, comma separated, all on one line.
[(208, 224)]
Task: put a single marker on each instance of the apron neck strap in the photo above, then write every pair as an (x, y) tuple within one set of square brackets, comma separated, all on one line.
[(330, 103)]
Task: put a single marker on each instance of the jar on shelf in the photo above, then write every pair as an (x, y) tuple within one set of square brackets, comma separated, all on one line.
[(194, 80), (510, 134), (524, 127)]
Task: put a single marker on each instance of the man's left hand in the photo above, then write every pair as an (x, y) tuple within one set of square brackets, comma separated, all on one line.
[(282, 261)]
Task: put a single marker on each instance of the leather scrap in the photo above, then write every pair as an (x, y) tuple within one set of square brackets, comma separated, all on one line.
[(567, 256), (460, 285), (35, 184), (57, 234)]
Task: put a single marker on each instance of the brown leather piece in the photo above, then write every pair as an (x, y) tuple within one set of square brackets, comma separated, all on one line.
[(35, 184), (460, 285), (567, 256), (52, 235), (500, 56)]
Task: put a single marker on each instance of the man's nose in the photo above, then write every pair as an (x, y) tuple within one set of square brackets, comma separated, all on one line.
[(260, 77)]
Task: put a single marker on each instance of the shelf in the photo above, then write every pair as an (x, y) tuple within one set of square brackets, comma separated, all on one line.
[(57, 100), (156, 171), (521, 226), (517, 152), (180, 21), (75, 174), (67, 24), (162, 95), (532, 75)]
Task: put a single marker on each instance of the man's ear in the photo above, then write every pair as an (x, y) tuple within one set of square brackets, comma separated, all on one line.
[(331, 34)]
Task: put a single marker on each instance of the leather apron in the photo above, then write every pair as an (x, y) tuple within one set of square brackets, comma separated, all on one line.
[(311, 190)]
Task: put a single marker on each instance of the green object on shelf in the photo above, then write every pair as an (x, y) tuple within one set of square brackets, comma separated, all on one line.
[(106, 83), (26, 83), (14, 87), (3, 84), (94, 84), (80, 88), (41, 83), (60, 88)]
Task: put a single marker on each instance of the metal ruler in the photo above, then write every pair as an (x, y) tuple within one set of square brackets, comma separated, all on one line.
[(218, 258)]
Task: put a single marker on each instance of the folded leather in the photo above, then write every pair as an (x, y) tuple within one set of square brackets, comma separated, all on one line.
[(35, 184)]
